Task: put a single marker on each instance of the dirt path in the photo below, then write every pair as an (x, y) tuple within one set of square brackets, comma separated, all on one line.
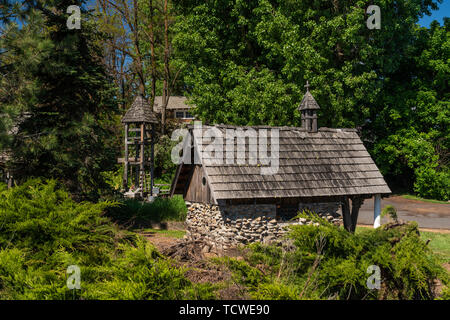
[(428, 215), (198, 267), (159, 240)]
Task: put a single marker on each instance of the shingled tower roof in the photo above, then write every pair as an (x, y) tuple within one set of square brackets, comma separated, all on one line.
[(140, 111), (308, 101)]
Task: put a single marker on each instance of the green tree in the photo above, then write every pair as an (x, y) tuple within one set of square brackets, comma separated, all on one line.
[(65, 99), (413, 126), (245, 62)]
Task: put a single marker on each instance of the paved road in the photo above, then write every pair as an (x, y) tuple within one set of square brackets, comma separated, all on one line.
[(427, 214)]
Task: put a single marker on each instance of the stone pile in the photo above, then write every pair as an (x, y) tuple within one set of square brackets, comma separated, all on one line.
[(222, 227)]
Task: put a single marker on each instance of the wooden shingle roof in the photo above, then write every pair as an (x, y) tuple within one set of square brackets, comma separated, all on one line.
[(330, 162), (175, 103), (308, 102), (140, 111)]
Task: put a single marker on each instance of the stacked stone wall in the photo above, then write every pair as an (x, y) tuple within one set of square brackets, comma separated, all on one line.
[(226, 226)]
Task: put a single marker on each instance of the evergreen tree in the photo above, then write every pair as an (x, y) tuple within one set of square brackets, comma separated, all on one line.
[(65, 97)]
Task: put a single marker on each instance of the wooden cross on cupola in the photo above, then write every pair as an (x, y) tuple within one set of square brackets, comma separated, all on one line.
[(308, 108), (307, 86)]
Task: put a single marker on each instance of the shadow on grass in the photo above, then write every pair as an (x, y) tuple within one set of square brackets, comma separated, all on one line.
[(135, 214)]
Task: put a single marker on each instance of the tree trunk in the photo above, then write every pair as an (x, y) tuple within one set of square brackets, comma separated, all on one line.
[(153, 57), (139, 66), (166, 95)]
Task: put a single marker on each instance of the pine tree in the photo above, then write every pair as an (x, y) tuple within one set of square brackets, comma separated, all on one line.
[(68, 101)]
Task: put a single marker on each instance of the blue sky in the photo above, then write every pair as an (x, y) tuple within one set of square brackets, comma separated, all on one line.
[(444, 11)]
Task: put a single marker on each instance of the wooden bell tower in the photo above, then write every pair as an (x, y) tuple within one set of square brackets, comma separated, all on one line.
[(139, 122)]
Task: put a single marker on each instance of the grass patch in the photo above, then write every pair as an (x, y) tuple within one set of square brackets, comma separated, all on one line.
[(178, 234), (412, 197), (440, 244), (140, 214)]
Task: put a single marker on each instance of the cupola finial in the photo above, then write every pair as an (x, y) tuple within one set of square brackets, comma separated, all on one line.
[(308, 107)]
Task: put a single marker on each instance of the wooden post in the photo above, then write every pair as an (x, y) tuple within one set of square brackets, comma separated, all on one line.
[(377, 211), (303, 119), (125, 168), (152, 160), (136, 159), (141, 160), (10, 180), (356, 204), (314, 122), (346, 214)]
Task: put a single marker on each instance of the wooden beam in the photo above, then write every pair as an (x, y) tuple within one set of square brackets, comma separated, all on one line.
[(356, 204), (132, 161), (346, 214), (141, 160), (125, 169), (175, 180), (152, 159), (136, 172), (146, 141)]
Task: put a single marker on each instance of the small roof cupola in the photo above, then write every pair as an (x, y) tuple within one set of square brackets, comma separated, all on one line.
[(308, 108), (140, 112)]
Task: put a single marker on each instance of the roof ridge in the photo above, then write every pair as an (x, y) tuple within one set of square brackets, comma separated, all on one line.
[(286, 128)]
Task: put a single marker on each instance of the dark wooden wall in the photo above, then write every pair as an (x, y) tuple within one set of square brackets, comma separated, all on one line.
[(197, 191)]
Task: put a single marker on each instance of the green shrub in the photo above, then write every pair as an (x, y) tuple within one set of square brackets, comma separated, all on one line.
[(390, 212), (139, 273), (43, 231), (432, 184), (244, 274), (276, 291), (327, 262), (164, 166), (114, 178), (445, 295)]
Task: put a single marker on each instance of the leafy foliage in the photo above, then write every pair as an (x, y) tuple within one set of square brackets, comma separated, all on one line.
[(245, 63), (327, 262), (164, 166), (43, 231), (391, 212), (62, 98)]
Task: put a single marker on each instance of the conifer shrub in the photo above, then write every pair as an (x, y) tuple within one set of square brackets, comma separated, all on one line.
[(327, 262), (43, 231)]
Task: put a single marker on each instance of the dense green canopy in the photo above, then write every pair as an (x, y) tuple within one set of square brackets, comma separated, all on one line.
[(246, 62), (60, 98), (240, 62)]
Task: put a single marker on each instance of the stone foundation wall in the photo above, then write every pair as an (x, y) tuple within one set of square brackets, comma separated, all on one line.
[(223, 227), (327, 210)]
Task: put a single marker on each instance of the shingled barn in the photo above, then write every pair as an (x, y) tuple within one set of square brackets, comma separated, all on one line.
[(321, 169)]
